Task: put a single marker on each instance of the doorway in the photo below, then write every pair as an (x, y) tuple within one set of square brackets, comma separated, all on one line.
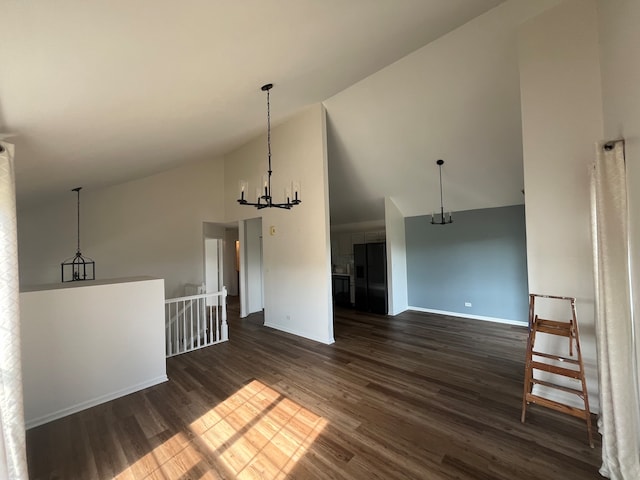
[(220, 258), (213, 268), (251, 269)]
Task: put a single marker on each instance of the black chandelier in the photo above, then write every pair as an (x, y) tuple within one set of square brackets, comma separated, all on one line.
[(264, 198), (78, 267), (443, 218)]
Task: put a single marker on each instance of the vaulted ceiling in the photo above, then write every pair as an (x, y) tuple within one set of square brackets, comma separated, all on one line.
[(457, 99), (95, 93)]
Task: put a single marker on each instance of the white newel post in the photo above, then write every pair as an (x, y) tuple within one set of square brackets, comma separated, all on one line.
[(224, 331)]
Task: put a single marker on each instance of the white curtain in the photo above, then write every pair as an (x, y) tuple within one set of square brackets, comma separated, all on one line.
[(13, 463), (619, 421)]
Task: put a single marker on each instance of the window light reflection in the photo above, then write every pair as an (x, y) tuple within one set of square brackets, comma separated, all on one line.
[(255, 433)]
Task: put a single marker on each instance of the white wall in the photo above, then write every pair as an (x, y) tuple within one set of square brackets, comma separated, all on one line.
[(151, 226), (619, 38), (297, 268), (76, 353), (212, 230), (561, 121), (396, 258)]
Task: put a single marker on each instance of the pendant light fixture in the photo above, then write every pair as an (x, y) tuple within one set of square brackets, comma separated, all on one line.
[(443, 220), (264, 196), (78, 267)]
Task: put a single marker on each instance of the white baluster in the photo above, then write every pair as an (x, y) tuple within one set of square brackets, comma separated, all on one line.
[(184, 327), (225, 328), (198, 303), (191, 320), (167, 327), (203, 333), (173, 330), (211, 336), (217, 326), (176, 345), (217, 339)]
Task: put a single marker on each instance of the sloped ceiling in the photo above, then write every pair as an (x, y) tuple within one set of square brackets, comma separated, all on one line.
[(96, 93), (456, 99)]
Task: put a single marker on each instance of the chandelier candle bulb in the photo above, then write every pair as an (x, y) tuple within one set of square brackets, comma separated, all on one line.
[(243, 187), (287, 194), (296, 191)]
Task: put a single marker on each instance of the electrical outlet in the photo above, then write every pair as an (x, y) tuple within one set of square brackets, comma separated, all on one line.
[(467, 304)]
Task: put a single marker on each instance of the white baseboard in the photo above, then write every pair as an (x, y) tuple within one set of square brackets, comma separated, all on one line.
[(472, 317), (326, 341), (49, 417), (399, 311)]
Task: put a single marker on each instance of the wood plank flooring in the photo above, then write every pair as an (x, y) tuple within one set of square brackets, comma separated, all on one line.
[(417, 396)]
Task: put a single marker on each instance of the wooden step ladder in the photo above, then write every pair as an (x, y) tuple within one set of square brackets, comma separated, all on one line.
[(546, 362)]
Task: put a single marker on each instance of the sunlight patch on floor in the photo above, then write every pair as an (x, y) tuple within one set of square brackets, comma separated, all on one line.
[(169, 460), (258, 433), (255, 433)]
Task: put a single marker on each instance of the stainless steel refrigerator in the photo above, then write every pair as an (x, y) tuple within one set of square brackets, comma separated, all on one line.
[(370, 264)]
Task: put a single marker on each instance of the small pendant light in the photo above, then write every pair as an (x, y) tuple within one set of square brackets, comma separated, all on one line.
[(78, 267), (443, 220)]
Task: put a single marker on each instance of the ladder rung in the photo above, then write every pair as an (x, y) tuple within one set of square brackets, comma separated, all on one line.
[(553, 328), (565, 372), (580, 393), (572, 299), (553, 331), (545, 402), (556, 357), (553, 323)]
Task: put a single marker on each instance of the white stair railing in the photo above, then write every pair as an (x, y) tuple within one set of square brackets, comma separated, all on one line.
[(195, 321)]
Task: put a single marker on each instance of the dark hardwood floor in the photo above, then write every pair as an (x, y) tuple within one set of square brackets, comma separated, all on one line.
[(416, 396)]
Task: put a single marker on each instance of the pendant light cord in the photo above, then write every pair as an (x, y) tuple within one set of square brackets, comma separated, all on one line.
[(442, 221), (269, 144), (77, 190), (441, 201), (78, 221)]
